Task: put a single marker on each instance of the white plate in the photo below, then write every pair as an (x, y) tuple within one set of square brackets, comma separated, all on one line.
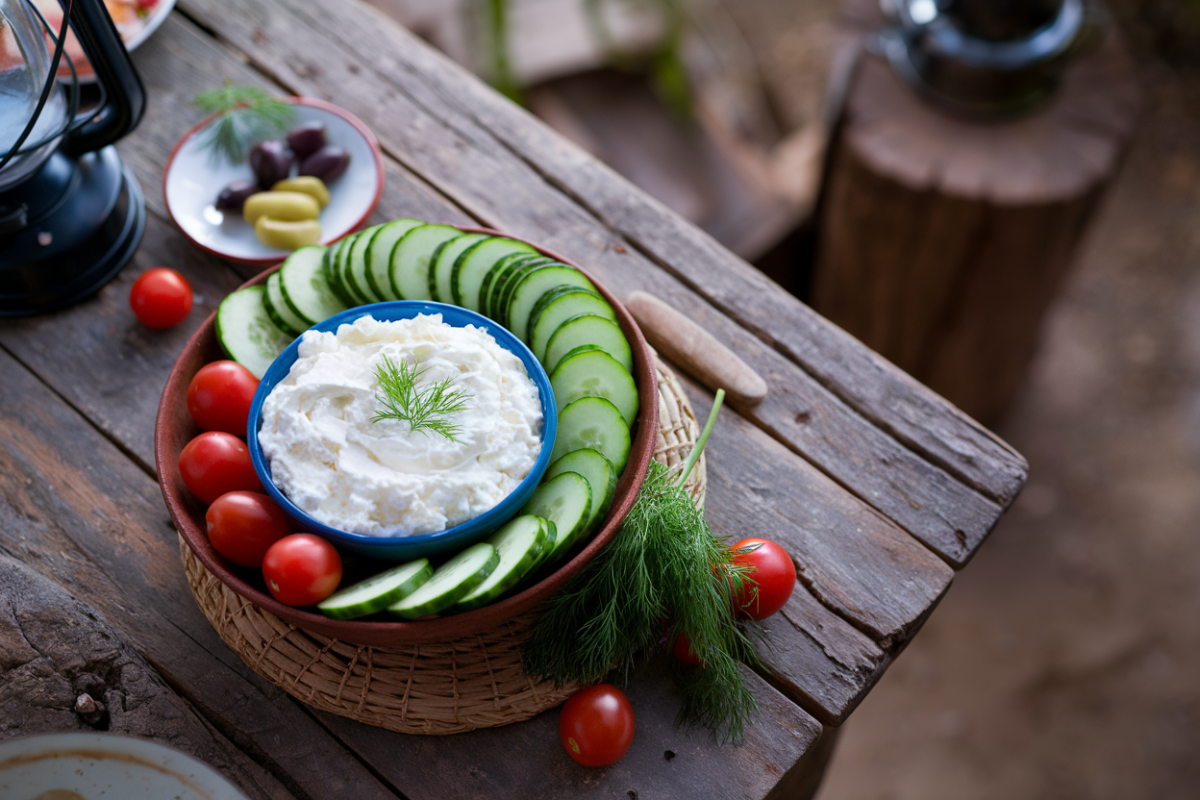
[(192, 182), (141, 31), (95, 765)]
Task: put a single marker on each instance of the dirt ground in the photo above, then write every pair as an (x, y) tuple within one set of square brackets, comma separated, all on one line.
[(1065, 660)]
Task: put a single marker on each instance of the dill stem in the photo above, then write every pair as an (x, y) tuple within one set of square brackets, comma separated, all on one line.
[(694, 456)]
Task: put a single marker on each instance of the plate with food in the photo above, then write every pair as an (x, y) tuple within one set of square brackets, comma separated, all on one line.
[(314, 175), (80, 766), (135, 21), (349, 356)]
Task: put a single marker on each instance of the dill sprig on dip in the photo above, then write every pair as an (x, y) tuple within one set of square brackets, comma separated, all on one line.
[(248, 114), (423, 410), (664, 566)]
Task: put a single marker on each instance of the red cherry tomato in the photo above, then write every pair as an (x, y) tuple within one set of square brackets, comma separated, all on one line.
[(684, 651), (161, 298), (218, 398), (771, 582), (215, 463), (242, 526), (596, 725), (302, 569)]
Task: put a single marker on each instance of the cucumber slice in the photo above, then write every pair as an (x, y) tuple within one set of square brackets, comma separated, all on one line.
[(377, 592), (408, 265), (379, 256), (306, 288), (499, 271), (597, 471), (246, 333), (354, 269), (558, 306), (466, 279), (595, 423), (277, 308), (442, 265), (588, 329), (520, 544), (595, 374), (500, 298), (330, 267), (450, 583), (530, 290), (565, 500)]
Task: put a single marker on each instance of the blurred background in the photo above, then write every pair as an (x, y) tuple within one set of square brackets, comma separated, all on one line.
[(1065, 662)]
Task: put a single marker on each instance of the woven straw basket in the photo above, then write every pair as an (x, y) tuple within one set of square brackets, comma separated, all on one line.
[(445, 687)]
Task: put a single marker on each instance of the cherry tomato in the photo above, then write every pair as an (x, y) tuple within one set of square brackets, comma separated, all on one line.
[(302, 569), (161, 298), (243, 525), (596, 725), (684, 651), (218, 398), (215, 463), (771, 582)]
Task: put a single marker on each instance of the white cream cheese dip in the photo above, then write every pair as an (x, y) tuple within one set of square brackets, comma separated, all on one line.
[(381, 478)]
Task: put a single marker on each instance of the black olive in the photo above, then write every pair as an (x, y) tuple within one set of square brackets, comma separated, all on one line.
[(271, 162), (328, 163), (234, 195), (306, 139)]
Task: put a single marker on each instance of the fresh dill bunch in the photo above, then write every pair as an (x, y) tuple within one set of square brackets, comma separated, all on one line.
[(247, 114), (663, 564), (422, 409)]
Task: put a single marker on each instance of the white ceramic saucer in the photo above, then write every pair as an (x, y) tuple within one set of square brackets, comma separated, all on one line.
[(192, 181), (94, 765)]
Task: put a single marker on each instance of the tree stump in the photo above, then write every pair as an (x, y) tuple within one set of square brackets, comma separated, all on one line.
[(943, 240)]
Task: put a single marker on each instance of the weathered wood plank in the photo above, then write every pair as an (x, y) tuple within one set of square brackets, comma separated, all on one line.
[(54, 649), (80, 512), (849, 556), (438, 121), (661, 763)]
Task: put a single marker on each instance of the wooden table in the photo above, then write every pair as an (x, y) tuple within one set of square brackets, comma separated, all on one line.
[(879, 489)]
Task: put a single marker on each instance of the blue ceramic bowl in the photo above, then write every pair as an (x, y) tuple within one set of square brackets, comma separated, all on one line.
[(405, 548)]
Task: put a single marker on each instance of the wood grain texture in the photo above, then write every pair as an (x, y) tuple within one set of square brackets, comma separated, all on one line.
[(944, 239), (54, 648), (850, 557), (662, 762), (458, 135), (82, 513)]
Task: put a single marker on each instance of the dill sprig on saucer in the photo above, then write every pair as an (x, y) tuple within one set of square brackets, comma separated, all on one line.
[(247, 114), (663, 573), (423, 410)]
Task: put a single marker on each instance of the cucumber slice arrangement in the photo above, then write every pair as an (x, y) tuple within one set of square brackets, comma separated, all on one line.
[(379, 256), (520, 544), (377, 592), (450, 583), (565, 500), (408, 263), (550, 306), (246, 332)]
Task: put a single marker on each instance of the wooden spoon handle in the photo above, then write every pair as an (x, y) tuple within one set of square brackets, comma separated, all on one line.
[(695, 350)]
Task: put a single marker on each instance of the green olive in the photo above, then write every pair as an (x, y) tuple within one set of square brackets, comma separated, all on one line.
[(307, 184), (288, 206), (287, 234)]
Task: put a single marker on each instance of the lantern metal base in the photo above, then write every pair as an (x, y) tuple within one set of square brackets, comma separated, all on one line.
[(67, 231)]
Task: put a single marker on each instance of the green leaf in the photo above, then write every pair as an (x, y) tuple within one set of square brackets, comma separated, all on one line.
[(246, 115)]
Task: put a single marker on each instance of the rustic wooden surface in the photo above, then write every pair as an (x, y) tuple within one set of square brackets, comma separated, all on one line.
[(878, 488), (973, 224)]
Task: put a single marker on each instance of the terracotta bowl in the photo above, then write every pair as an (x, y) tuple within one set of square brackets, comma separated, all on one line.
[(174, 428)]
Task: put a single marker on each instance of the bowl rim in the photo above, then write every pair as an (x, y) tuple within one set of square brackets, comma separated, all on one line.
[(403, 548), (312, 102), (174, 427)]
